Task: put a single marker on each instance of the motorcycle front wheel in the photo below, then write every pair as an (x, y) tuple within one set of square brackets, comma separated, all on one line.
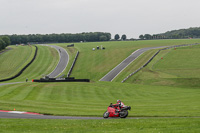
[(123, 114), (105, 114)]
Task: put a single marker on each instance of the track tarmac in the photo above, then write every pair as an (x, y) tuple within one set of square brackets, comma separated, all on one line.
[(7, 115)]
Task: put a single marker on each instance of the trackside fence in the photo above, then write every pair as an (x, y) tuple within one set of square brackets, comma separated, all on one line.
[(153, 58), (73, 64), (18, 74)]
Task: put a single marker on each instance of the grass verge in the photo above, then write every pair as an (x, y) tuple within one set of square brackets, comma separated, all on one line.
[(92, 99), (167, 125)]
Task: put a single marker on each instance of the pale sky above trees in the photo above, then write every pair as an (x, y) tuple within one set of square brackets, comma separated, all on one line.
[(130, 17)]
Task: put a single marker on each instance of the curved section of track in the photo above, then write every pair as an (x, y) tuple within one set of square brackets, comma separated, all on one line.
[(118, 69), (64, 59)]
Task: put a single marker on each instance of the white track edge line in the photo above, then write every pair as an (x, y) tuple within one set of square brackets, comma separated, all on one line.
[(67, 61), (127, 65), (59, 57), (118, 65)]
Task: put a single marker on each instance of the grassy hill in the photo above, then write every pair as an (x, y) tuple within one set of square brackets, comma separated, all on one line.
[(95, 64), (14, 60), (62, 98), (45, 62), (165, 88), (178, 67)]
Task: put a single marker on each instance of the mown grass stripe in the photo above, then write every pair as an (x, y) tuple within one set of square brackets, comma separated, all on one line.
[(6, 91), (10, 93), (10, 63), (43, 64), (45, 93), (33, 95), (23, 93)]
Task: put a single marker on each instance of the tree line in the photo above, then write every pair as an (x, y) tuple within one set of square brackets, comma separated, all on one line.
[(60, 38), (4, 42), (117, 37), (175, 34)]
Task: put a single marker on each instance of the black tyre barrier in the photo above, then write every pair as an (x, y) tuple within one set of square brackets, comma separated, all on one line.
[(60, 80), (154, 56), (70, 70), (17, 75), (71, 45)]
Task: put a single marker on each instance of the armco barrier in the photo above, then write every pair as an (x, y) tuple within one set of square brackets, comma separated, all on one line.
[(22, 68), (154, 56), (70, 70)]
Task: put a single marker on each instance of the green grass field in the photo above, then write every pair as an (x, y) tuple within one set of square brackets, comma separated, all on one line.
[(165, 88), (178, 67), (45, 62), (92, 99), (166, 125), (140, 61), (89, 64), (14, 60), (182, 62)]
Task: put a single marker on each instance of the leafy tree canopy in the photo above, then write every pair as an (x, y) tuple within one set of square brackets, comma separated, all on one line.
[(123, 37), (60, 38), (117, 37)]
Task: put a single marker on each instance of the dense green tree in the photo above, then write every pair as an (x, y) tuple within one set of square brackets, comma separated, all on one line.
[(117, 37), (141, 37), (181, 33), (2, 44), (47, 38), (147, 36), (108, 35), (103, 38), (123, 37), (6, 39)]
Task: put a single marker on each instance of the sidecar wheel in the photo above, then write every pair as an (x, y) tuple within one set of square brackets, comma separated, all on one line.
[(105, 114)]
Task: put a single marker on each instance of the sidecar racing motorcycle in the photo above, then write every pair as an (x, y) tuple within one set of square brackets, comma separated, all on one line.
[(116, 110)]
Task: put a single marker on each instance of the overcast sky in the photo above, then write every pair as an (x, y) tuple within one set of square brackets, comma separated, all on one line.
[(130, 17)]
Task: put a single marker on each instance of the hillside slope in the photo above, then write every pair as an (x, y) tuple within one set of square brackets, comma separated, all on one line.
[(96, 64), (14, 60), (45, 62), (174, 67)]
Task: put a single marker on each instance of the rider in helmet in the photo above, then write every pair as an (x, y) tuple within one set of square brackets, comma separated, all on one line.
[(120, 103)]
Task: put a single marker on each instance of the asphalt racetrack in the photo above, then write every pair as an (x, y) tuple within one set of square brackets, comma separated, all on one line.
[(33, 116), (114, 72), (6, 115), (64, 59), (10, 83)]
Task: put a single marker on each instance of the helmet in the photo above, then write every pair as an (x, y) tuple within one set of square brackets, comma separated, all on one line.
[(118, 100)]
